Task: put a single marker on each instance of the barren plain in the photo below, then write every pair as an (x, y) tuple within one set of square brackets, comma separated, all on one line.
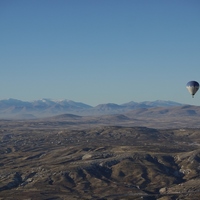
[(70, 157)]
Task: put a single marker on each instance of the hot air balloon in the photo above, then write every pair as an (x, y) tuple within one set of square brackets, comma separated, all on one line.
[(192, 87)]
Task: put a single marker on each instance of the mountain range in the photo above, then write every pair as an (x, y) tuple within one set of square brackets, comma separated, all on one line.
[(14, 108)]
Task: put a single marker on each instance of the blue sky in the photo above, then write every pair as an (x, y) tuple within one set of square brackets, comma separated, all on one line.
[(99, 51)]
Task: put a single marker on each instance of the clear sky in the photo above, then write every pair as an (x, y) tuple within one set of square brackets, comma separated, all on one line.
[(99, 51)]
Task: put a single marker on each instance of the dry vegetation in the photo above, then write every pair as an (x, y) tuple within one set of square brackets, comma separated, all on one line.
[(57, 159)]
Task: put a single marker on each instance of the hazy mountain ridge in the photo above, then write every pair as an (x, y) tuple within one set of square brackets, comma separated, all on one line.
[(158, 117), (11, 108)]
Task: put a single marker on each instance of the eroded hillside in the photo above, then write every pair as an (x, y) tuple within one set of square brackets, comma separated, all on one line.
[(99, 163)]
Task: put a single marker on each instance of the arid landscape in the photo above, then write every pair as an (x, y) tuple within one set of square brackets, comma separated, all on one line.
[(99, 100), (142, 154)]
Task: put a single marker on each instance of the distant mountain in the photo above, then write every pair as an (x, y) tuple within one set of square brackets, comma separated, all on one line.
[(160, 112), (13, 102), (13, 108), (185, 116), (160, 103), (111, 108), (149, 104)]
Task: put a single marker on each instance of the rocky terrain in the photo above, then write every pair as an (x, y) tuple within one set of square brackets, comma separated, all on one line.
[(56, 159)]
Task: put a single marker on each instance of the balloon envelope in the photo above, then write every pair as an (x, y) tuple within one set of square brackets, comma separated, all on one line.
[(192, 87)]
